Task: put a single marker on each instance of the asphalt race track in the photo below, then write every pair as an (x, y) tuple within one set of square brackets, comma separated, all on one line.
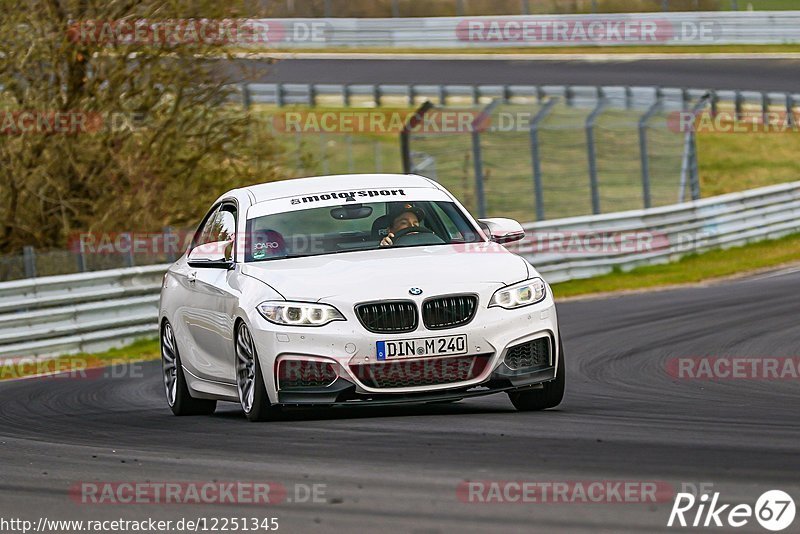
[(750, 74), (397, 470)]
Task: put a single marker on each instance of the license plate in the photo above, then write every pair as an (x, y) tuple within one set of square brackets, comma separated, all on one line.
[(422, 347)]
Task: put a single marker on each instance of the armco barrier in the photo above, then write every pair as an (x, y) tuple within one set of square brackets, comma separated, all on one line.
[(91, 311), (687, 28), (79, 312)]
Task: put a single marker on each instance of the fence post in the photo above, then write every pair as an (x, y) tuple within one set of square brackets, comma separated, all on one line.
[(130, 260), (395, 8), (790, 120), (739, 104), (405, 134), (377, 95), (324, 151), (29, 260), (694, 183), (350, 162), (459, 8), (328, 10), (246, 100), (312, 95), (80, 258), (689, 162), (170, 248), (592, 154), (279, 95), (765, 109), (477, 156), (346, 95), (378, 156), (643, 150), (664, 5), (298, 150), (526, 7), (538, 189), (714, 102)]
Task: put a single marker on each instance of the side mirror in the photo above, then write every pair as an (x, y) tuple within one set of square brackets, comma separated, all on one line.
[(502, 230), (215, 255)]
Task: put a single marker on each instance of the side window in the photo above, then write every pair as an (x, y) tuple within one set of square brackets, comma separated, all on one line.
[(220, 225), (450, 226), (226, 223), (204, 234)]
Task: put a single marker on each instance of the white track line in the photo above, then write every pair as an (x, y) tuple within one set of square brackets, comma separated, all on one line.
[(515, 57)]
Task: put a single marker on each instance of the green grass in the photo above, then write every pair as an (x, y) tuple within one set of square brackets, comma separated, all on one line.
[(736, 162), (690, 269), (139, 351)]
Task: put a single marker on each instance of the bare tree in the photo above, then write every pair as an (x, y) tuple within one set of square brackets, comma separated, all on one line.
[(106, 129)]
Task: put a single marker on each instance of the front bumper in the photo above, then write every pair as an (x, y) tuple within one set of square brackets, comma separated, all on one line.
[(343, 392), (348, 347)]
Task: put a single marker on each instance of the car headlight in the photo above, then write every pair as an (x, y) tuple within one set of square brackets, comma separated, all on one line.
[(522, 294), (299, 313)]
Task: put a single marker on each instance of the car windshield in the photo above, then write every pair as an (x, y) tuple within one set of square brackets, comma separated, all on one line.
[(355, 227)]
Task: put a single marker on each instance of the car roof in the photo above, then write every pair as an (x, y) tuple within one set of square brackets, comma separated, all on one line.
[(324, 184)]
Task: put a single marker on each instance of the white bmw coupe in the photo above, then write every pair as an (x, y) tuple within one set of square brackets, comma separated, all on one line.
[(350, 290)]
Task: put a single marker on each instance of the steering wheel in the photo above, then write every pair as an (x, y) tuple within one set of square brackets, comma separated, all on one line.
[(410, 231)]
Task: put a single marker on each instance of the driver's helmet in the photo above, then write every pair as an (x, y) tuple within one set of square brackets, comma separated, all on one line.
[(398, 208)]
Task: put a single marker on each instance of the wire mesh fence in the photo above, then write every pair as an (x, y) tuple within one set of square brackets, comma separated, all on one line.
[(566, 165)]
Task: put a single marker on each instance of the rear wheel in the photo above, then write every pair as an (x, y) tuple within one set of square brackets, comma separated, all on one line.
[(549, 396), (250, 381), (178, 397)]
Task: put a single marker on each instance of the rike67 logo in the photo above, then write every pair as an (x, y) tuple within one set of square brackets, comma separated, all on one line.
[(774, 510)]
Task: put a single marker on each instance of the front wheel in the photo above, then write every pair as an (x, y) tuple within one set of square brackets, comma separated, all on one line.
[(178, 397), (250, 381), (549, 396)]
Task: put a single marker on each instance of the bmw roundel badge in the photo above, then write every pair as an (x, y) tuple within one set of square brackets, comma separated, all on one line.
[(415, 291)]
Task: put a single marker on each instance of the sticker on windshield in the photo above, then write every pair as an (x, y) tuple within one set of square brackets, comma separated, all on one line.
[(349, 196)]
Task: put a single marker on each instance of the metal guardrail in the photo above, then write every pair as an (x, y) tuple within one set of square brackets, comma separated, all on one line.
[(652, 29), (630, 97), (659, 235), (92, 311), (80, 312), (409, 8)]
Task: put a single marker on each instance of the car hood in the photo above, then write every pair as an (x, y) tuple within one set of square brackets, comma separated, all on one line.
[(390, 273)]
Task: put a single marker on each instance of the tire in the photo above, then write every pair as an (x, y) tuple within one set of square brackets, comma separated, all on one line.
[(178, 397), (253, 395), (549, 396)]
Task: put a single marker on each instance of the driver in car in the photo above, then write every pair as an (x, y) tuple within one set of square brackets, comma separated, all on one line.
[(401, 217)]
